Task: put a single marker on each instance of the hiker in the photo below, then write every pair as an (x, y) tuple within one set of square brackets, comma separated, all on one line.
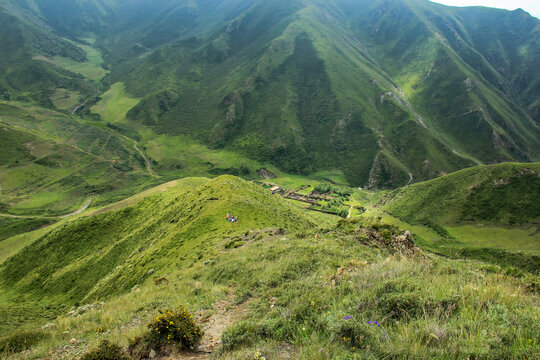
[(227, 216)]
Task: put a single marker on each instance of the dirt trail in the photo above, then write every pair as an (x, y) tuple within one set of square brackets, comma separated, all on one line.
[(410, 178), (74, 111), (80, 210), (76, 212), (146, 159), (226, 312)]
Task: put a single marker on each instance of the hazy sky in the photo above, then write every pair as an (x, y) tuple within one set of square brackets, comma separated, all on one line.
[(530, 6)]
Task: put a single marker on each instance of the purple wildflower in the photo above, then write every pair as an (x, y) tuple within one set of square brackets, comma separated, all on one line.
[(374, 322), (348, 317)]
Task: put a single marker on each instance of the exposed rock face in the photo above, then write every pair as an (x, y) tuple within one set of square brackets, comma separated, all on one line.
[(265, 174), (404, 245), (385, 236)]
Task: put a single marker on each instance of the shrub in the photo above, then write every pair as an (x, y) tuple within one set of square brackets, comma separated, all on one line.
[(532, 283), (244, 169), (355, 335), (242, 333), (400, 305), (343, 192), (343, 212), (175, 327), (106, 351), (323, 188), (334, 206)]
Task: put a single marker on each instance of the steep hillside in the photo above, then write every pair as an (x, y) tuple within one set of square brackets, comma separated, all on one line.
[(389, 92), (282, 281), (507, 55), (504, 194), (27, 45), (184, 222), (375, 90), (456, 90), (52, 164)]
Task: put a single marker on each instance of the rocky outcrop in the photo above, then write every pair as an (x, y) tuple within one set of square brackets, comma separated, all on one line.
[(266, 174)]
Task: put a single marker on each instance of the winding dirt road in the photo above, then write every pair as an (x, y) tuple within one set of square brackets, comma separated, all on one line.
[(76, 212)]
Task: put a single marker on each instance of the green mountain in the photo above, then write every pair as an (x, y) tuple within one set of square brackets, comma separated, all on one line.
[(504, 194), (26, 44), (282, 281), (489, 213), (125, 123), (388, 92)]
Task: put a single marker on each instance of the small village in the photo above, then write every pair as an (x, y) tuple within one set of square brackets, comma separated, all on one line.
[(323, 197)]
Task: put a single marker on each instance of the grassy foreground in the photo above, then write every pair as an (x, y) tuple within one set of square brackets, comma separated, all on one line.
[(282, 282)]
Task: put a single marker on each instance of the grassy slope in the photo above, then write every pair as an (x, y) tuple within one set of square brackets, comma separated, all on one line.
[(435, 313), (237, 86), (114, 104), (53, 163), (499, 194), (488, 213), (192, 218), (26, 79), (245, 91), (187, 216), (91, 69)]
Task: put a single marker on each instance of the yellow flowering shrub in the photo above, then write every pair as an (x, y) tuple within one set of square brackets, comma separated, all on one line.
[(175, 327)]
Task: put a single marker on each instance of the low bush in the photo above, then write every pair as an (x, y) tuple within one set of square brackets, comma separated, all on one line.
[(400, 305), (240, 334), (169, 329), (356, 335), (177, 327), (336, 206), (343, 192), (323, 188), (106, 351)]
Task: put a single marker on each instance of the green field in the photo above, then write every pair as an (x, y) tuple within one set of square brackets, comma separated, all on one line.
[(520, 239), (91, 68), (52, 164), (64, 99), (114, 104)]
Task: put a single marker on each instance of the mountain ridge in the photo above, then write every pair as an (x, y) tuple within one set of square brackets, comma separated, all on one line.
[(389, 91), (379, 159), (114, 269)]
